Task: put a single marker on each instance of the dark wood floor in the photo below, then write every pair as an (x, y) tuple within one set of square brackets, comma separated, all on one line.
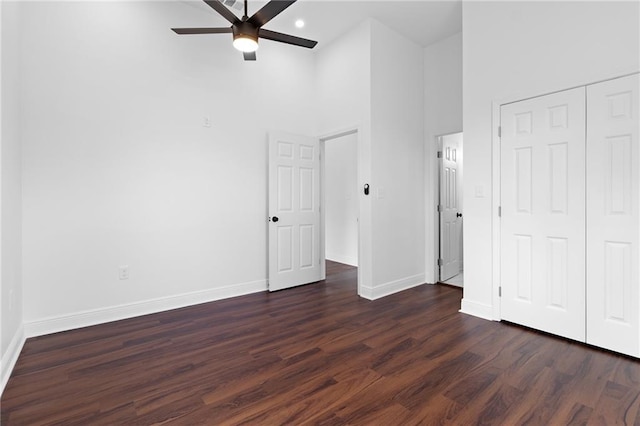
[(318, 354)]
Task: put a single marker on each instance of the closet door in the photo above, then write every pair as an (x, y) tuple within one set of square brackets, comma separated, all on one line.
[(543, 213), (613, 219)]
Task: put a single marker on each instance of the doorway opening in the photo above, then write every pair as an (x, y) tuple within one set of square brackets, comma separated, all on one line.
[(450, 209), (339, 158)]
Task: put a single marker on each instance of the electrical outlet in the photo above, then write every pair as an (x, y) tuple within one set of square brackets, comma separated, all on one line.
[(123, 272), (206, 122)]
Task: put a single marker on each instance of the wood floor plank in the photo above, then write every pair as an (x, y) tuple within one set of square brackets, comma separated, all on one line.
[(319, 355)]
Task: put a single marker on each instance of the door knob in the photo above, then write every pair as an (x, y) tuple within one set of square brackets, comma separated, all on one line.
[(458, 214), (275, 219)]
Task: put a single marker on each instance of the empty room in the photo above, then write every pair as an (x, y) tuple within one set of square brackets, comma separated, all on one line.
[(354, 212)]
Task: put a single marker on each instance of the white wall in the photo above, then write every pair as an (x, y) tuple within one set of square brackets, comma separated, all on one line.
[(119, 170), (514, 50), (443, 114), (397, 150), (341, 199), (11, 336), (343, 85), (372, 78), (343, 70)]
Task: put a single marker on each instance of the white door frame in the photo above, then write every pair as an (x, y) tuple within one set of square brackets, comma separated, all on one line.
[(432, 198), (496, 104), (364, 263), (438, 188)]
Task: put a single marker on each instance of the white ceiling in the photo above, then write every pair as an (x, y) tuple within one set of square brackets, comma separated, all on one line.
[(423, 21)]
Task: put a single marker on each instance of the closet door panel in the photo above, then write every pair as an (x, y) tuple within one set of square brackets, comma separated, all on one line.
[(613, 219), (543, 219)]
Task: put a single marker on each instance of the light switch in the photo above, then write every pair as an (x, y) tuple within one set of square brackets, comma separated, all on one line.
[(479, 191)]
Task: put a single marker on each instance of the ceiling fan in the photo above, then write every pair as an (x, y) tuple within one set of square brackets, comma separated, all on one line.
[(247, 30)]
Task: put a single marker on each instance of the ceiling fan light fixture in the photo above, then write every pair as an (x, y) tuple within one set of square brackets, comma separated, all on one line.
[(245, 43), (247, 30), (245, 37)]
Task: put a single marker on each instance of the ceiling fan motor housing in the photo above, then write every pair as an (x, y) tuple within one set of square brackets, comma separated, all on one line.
[(246, 30)]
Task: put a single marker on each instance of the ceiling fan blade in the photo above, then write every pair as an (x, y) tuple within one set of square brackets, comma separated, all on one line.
[(222, 10), (249, 56), (286, 38), (183, 31), (269, 11)]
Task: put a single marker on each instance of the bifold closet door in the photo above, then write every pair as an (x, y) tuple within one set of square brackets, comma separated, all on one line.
[(613, 219), (543, 213)]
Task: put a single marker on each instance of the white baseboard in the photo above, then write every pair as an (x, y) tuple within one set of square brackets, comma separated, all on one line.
[(365, 292), (386, 289), (10, 357), (116, 313), (476, 309), (346, 260)]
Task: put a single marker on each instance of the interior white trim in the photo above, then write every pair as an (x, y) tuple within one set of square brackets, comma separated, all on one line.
[(433, 216), (496, 198), (10, 357), (345, 260), (382, 290), (351, 130), (476, 309), (130, 310), (362, 263), (432, 194), (365, 292)]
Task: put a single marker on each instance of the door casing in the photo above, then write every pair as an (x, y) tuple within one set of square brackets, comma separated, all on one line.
[(323, 139), (440, 149)]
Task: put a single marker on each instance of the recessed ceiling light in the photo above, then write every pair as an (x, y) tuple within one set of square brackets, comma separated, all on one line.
[(299, 23)]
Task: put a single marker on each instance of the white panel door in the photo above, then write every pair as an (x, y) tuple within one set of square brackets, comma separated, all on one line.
[(294, 211), (613, 217), (543, 213), (450, 212)]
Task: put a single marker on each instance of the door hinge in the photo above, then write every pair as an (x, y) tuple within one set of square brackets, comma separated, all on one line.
[(500, 291), (439, 208), (439, 262), (499, 131), (499, 211), (439, 154)]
